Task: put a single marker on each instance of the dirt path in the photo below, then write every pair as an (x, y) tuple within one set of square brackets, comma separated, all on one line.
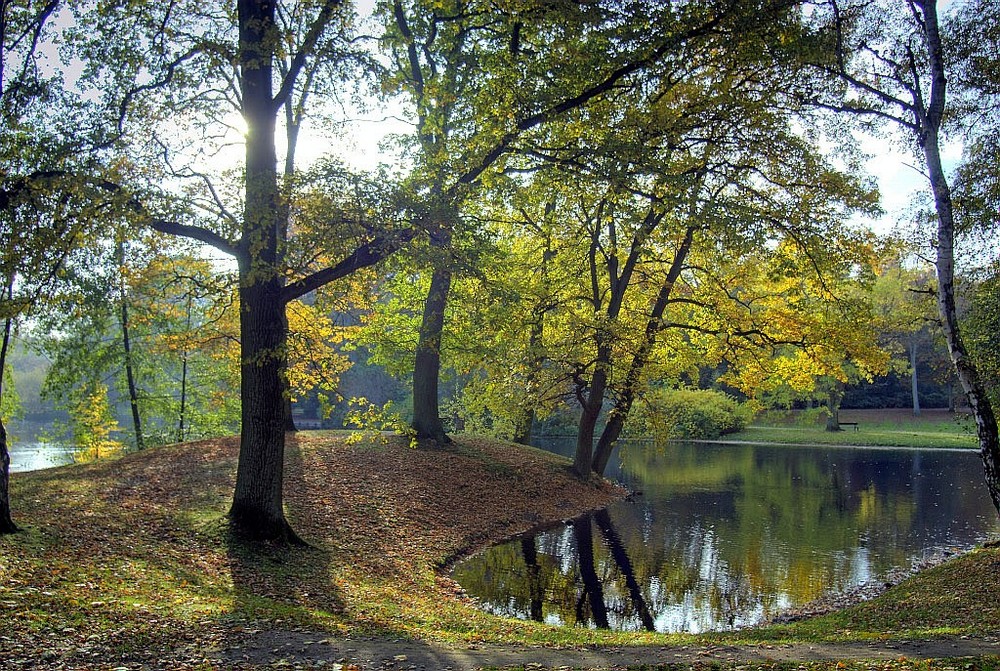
[(271, 647)]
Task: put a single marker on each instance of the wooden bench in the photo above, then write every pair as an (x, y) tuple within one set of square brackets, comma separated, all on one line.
[(854, 424)]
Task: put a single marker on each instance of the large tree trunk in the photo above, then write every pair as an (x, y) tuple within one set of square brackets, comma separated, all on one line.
[(257, 510), (968, 375), (427, 361), (833, 399)]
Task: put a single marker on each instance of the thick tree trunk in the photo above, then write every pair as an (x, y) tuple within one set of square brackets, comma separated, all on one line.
[(427, 362), (968, 375), (257, 510)]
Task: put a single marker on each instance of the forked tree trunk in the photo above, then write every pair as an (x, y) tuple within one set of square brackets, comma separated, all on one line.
[(619, 414)]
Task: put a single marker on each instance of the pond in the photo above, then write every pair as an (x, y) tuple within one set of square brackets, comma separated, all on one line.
[(724, 536), (36, 456)]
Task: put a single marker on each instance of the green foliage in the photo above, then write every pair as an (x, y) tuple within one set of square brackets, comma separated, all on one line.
[(10, 401), (92, 425), (982, 331), (704, 414)]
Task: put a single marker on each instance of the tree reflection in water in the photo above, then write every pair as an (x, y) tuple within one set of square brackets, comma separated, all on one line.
[(728, 535)]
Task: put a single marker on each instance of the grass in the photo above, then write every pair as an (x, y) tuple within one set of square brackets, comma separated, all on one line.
[(879, 428), (126, 561)]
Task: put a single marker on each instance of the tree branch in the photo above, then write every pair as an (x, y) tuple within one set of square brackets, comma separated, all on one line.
[(307, 46), (364, 256)]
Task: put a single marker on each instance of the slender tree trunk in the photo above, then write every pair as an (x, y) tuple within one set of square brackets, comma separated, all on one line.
[(133, 394), (181, 434), (913, 378), (427, 361), (257, 510), (7, 525), (968, 375)]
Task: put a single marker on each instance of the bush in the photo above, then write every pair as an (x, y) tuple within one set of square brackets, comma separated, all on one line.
[(689, 413)]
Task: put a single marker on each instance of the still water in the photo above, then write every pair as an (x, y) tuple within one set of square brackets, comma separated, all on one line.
[(725, 536), (35, 456)]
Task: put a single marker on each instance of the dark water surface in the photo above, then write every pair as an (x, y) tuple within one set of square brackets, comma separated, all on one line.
[(724, 536)]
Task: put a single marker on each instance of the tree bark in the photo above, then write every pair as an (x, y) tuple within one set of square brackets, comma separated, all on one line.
[(968, 375), (7, 525), (833, 399), (592, 404), (427, 359)]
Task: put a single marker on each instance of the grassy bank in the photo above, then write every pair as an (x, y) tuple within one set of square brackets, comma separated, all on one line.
[(126, 562), (880, 428)]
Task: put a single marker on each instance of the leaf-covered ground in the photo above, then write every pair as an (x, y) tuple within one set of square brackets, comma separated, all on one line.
[(127, 564)]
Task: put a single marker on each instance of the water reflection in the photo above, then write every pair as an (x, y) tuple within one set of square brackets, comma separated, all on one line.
[(36, 456), (726, 535)]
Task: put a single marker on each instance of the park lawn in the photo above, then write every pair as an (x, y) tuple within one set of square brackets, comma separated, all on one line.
[(876, 428), (127, 561)]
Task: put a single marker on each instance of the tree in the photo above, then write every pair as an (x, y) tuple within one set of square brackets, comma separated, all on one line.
[(893, 60), (264, 68), (45, 207), (484, 82)]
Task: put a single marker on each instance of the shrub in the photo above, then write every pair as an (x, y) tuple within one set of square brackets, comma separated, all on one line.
[(689, 413)]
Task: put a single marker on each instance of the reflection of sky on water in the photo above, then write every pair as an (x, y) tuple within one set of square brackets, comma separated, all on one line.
[(724, 536), (36, 456)]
